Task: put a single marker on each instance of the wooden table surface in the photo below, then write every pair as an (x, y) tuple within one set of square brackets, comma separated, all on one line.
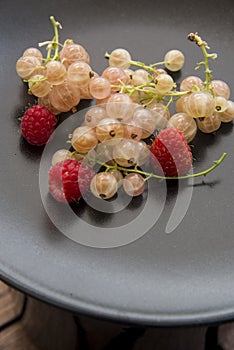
[(15, 336)]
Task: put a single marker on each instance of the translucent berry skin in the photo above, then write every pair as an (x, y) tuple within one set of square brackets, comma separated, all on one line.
[(171, 155), (33, 51), (140, 77), (27, 66), (132, 131), (129, 73), (174, 60), (118, 176), (55, 72), (134, 184), (126, 153), (162, 113), (120, 107), (84, 139), (94, 115), (146, 119), (79, 73), (104, 151), (39, 88), (209, 124), (64, 96), (200, 104), (114, 75), (120, 58), (164, 83), (109, 129), (220, 88), (85, 93), (228, 115), (72, 52), (99, 87), (68, 180), (190, 82), (45, 101), (185, 124), (104, 185), (37, 125), (60, 156), (221, 104), (180, 104)]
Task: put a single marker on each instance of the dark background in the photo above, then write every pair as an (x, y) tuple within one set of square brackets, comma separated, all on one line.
[(183, 278)]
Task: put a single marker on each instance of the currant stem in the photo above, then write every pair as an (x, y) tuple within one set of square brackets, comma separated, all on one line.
[(204, 46), (152, 175), (54, 44), (140, 64)]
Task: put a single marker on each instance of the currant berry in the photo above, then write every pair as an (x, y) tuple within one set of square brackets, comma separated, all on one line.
[(45, 101), (55, 72), (228, 115), (32, 51), (72, 52), (174, 60), (180, 104), (79, 73), (221, 104), (125, 153), (118, 175), (185, 124), (134, 184), (209, 124), (27, 66), (109, 129), (94, 115), (146, 119), (190, 82), (140, 77), (132, 131), (84, 139), (39, 86), (99, 87), (120, 58), (60, 156), (120, 107), (104, 185), (115, 75), (64, 96), (164, 83), (220, 88), (200, 104)]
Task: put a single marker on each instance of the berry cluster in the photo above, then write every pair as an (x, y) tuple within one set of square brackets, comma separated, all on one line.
[(61, 79), (130, 126), (118, 139)]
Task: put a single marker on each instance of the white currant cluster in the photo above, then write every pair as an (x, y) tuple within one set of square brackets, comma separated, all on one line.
[(131, 105), (113, 136), (199, 105), (61, 79)]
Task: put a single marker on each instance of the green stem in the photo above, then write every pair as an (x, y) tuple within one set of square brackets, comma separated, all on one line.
[(54, 44), (203, 45), (152, 175), (140, 64)]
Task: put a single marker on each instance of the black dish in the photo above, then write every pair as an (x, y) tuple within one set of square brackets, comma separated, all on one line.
[(185, 277)]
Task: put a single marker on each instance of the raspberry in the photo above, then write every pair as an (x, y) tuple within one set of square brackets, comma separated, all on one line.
[(37, 125), (69, 179), (171, 152)]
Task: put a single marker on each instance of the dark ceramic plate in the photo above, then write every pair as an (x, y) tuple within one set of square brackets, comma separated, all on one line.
[(185, 277)]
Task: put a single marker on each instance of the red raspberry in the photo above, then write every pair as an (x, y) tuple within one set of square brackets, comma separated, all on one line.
[(69, 179), (37, 125), (172, 152)]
